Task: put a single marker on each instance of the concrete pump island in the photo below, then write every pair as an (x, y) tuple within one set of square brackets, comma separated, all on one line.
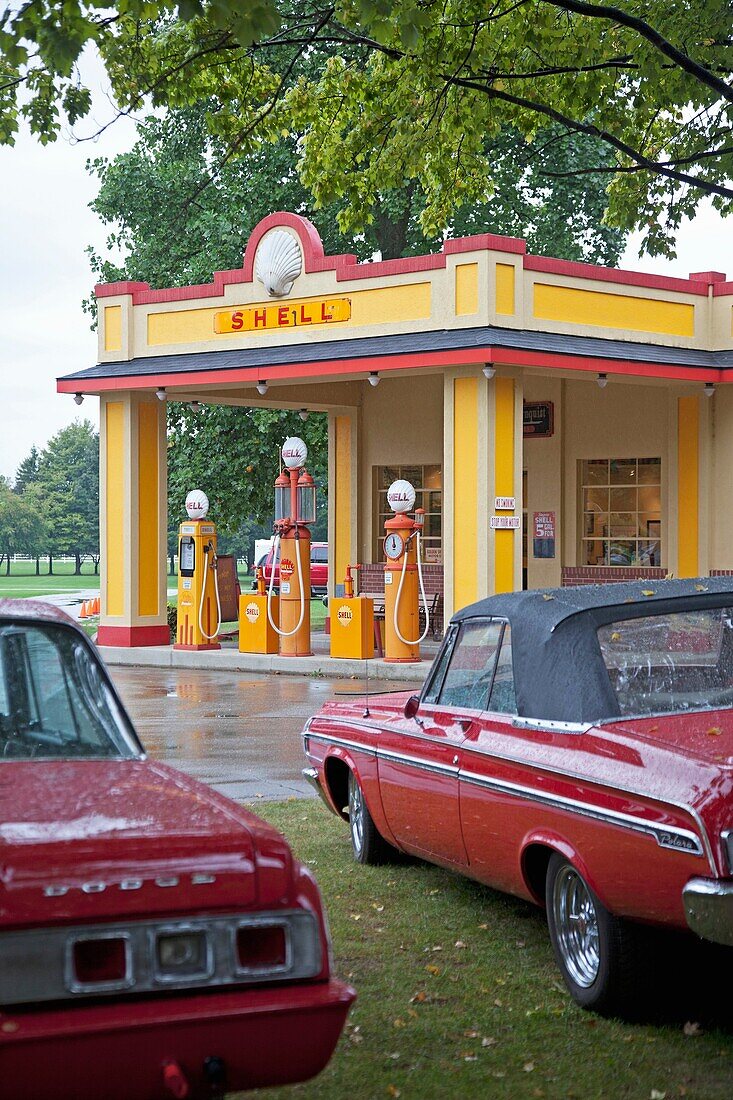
[(497, 421)]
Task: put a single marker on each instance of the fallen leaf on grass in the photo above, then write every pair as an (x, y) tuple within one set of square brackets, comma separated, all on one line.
[(470, 1034), (419, 998), (398, 1022), (691, 1028), (657, 1095), (489, 1041), (459, 943), (434, 970), (528, 1067), (379, 908), (392, 1090), (498, 1003)]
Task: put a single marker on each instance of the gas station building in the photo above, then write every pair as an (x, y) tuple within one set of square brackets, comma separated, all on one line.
[(561, 422)]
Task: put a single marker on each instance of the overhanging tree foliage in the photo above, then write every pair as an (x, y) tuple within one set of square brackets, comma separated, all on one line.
[(414, 91)]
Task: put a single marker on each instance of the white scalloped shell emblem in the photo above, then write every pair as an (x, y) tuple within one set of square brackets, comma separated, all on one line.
[(279, 263)]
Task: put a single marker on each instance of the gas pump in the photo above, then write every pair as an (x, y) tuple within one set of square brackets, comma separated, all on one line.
[(295, 508), (199, 609), (402, 576)]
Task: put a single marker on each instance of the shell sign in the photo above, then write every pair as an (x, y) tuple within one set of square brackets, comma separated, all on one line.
[(252, 612), (344, 614), (265, 318)]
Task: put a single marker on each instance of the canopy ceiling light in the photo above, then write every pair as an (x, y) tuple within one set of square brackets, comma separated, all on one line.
[(161, 394), (489, 371), (602, 379), (195, 406), (262, 387), (709, 389), (373, 378), (78, 398), (303, 414)]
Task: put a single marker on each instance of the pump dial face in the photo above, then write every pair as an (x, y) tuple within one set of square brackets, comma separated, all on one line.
[(394, 544)]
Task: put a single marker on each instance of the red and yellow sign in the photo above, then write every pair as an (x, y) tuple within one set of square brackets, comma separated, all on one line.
[(264, 318)]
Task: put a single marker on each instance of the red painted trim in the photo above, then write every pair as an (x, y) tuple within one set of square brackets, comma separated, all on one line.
[(130, 636), (708, 276), (550, 266), (458, 357), (720, 290)]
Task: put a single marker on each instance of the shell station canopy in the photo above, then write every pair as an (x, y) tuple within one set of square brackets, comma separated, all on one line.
[(471, 373)]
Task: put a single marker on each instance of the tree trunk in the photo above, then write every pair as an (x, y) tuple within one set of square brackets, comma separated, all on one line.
[(77, 565), (38, 567), (96, 566), (50, 564), (7, 568), (172, 565), (391, 227)]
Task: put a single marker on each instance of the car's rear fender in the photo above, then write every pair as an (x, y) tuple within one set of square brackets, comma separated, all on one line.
[(537, 849)]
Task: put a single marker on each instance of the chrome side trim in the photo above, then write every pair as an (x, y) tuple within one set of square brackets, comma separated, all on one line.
[(666, 836), (550, 726), (672, 836), (311, 774)]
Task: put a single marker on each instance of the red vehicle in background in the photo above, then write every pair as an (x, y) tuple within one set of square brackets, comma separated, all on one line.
[(319, 569), (156, 939)]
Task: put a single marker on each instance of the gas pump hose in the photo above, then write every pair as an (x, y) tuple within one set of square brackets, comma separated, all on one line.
[(275, 555), (423, 636), (209, 637)]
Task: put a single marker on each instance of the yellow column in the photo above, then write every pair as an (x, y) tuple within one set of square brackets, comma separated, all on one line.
[(505, 484), (688, 485), (133, 521), (465, 483), (342, 498)]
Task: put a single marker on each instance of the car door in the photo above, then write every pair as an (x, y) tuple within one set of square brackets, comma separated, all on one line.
[(419, 762), (492, 818)]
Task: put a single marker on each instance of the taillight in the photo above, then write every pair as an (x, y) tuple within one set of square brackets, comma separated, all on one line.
[(100, 962), (262, 947)]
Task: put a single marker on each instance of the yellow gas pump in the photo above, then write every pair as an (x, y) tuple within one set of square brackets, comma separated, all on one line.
[(295, 509), (403, 576), (256, 635), (199, 609)]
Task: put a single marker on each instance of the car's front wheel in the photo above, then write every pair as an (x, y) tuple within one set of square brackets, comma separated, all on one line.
[(599, 955), (368, 844)]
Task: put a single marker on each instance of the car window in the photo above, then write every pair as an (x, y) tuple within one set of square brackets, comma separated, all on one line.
[(665, 663), (435, 681), (503, 700), (57, 700), (468, 680), (319, 553)]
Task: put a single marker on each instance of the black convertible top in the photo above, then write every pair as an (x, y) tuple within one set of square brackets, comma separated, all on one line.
[(559, 673)]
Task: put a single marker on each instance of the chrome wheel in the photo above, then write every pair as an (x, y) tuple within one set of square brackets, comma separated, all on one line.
[(356, 814), (576, 925)]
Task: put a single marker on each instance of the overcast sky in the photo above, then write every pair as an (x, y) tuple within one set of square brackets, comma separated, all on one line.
[(45, 226)]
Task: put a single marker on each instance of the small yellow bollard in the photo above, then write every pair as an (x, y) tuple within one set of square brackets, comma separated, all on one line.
[(256, 633), (352, 623)]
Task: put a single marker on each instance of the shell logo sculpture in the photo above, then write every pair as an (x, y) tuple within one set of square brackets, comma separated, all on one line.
[(279, 263)]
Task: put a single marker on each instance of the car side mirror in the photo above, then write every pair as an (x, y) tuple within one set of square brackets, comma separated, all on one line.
[(412, 706)]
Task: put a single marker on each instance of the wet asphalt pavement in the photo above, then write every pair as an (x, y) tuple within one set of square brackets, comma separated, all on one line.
[(239, 732)]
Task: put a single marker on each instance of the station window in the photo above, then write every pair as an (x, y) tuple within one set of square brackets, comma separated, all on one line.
[(428, 484), (621, 511)]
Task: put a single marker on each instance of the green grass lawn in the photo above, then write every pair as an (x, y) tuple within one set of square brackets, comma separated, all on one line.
[(23, 582), (459, 996)]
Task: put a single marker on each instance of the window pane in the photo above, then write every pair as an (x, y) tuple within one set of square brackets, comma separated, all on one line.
[(433, 477), (622, 552), (650, 499), (594, 552), (595, 472), (623, 471), (469, 674), (595, 500), (623, 500), (436, 682), (650, 471), (623, 525), (503, 699)]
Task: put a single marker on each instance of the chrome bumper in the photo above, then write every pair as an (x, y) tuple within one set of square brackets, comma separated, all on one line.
[(709, 909), (311, 774)]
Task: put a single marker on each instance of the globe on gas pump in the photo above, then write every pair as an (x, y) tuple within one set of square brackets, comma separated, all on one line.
[(199, 609), (403, 576), (295, 509)]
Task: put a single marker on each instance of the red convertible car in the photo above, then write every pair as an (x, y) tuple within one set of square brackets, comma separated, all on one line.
[(156, 939), (573, 747)]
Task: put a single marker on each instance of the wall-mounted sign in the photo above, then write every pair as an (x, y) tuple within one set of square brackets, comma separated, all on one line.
[(505, 523), (539, 418), (263, 318), (544, 534), (505, 504)]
